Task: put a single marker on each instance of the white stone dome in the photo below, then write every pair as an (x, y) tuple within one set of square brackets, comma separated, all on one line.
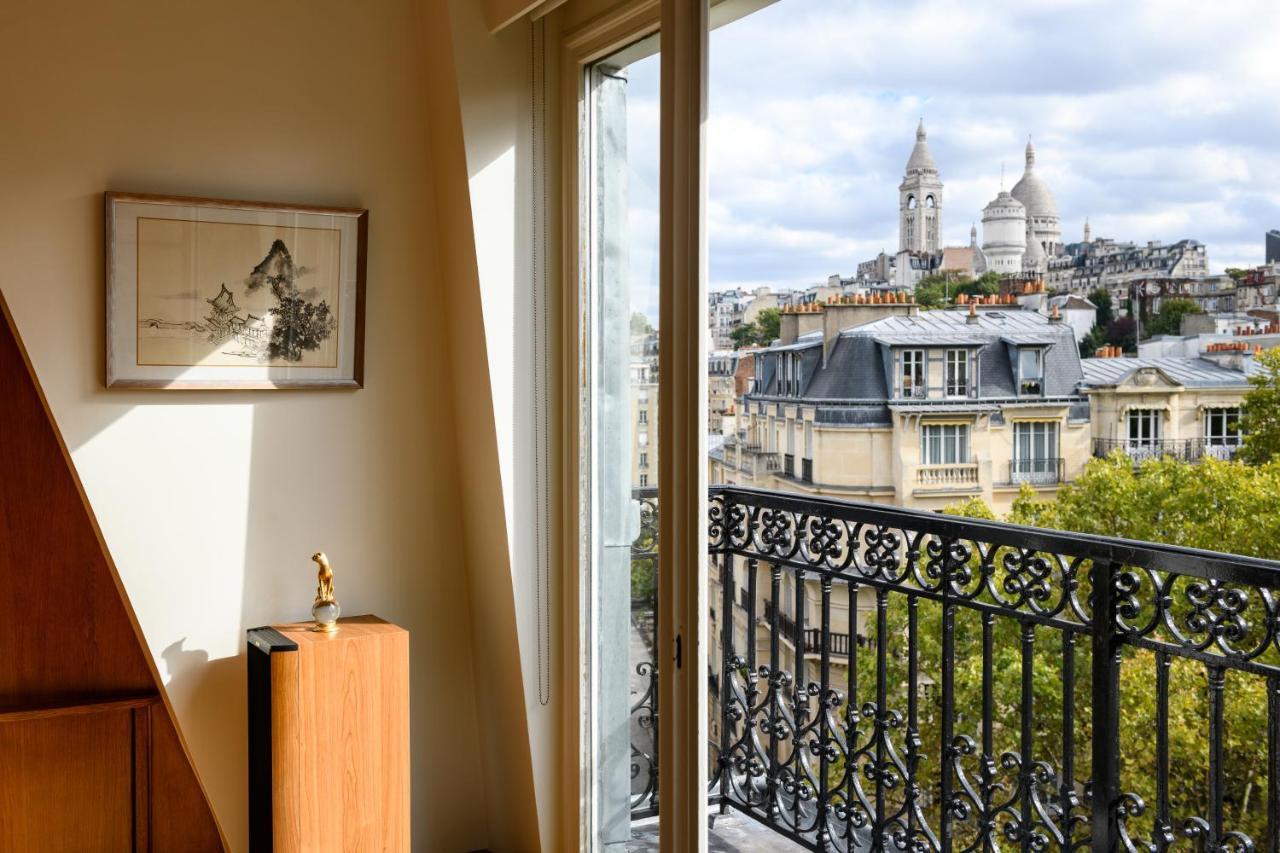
[(1033, 192), (1004, 205)]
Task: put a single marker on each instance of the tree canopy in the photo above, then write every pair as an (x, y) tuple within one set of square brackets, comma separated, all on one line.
[(1121, 332), (1168, 320), (939, 289), (766, 328), (1209, 504), (1260, 413)]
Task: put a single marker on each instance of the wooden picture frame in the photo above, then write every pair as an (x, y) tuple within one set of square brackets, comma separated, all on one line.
[(233, 295)]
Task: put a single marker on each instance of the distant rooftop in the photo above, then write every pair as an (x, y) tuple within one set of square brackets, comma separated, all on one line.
[(1191, 372)]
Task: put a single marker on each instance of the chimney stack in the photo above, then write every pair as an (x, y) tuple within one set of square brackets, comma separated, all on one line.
[(846, 315)]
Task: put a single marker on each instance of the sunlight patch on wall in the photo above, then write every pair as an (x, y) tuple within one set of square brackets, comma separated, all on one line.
[(177, 525)]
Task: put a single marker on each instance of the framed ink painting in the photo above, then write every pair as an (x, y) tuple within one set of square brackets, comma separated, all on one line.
[(203, 293)]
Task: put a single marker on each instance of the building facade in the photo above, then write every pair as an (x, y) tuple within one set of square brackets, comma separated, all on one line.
[(1185, 407), (918, 410), (1082, 267)]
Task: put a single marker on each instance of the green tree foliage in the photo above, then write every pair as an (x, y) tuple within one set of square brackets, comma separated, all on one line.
[(1210, 504), (938, 290), (1236, 273), (744, 335), (766, 329), (1260, 414), (1168, 320), (1092, 342), (1101, 299), (1097, 337), (1118, 331), (769, 322)]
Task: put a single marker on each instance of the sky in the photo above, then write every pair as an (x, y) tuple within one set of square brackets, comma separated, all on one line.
[(1155, 120)]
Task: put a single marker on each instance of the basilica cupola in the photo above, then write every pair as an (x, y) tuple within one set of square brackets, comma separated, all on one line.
[(1043, 223)]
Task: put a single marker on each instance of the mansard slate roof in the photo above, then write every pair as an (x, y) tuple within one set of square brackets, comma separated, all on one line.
[(1188, 372), (859, 368)]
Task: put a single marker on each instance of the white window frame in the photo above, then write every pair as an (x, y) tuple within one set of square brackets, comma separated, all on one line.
[(1217, 421), (1037, 355), (1148, 424), (1222, 433), (1036, 451), (913, 376), (956, 373), (944, 444)]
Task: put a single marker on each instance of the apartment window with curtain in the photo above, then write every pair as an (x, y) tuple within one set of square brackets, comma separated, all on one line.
[(1035, 452), (944, 444)]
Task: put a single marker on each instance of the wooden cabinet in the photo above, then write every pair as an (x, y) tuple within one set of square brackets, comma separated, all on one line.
[(329, 738)]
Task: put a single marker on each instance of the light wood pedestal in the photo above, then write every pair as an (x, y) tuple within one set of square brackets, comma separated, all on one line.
[(329, 738)]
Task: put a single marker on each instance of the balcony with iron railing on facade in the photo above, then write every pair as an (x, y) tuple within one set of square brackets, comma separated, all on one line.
[(1018, 688), (802, 475), (1036, 471), (1183, 449)]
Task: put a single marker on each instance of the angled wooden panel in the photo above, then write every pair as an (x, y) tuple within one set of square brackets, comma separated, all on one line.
[(73, 666)]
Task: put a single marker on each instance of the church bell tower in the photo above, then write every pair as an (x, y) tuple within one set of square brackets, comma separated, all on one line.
[(920, 201)]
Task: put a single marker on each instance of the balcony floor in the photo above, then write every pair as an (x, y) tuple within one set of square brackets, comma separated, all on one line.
[(727, 833)]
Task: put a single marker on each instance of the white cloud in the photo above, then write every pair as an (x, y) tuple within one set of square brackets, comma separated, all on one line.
[(1157, 120)]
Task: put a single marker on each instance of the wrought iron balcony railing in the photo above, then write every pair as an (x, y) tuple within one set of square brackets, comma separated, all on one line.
[(789, 464), (1018, 689), (1036, 471), (806, 470), (1186, 449)]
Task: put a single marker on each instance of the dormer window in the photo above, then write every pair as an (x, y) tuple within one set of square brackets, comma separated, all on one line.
[(1031, 372), (911, 373), (789, 374)]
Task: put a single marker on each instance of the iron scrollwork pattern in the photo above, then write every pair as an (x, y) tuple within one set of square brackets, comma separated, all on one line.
[(976, 701)]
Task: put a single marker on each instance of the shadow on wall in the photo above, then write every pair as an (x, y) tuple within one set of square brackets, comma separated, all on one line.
[(213, 502)]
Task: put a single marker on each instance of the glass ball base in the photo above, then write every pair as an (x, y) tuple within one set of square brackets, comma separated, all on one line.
[(326, 614)]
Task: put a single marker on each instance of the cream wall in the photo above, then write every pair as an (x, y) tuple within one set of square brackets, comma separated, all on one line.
[(1183, 409), (493, 78), (212, 502)]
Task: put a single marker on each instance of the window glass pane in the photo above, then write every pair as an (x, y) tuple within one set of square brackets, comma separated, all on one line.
[(620, 182)]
